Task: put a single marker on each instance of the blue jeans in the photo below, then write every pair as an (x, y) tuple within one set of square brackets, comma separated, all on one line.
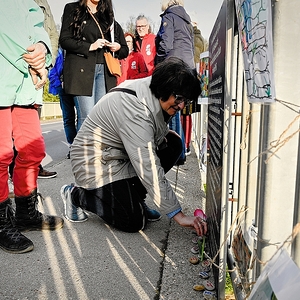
[(67, 106), (175, 124), (84, 104)]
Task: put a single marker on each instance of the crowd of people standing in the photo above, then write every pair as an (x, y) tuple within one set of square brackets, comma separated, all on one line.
[(124, 133)]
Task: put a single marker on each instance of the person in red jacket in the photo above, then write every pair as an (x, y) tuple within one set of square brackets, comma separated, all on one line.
[(145, 41), (134, 65)]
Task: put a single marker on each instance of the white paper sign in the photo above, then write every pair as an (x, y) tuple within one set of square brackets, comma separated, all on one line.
[(255, 31), (280, 279)]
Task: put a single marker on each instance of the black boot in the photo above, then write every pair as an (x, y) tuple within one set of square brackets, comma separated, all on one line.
[(29, 218), (11, 240)]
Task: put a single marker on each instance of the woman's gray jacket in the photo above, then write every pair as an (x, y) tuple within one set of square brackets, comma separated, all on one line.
[(118, 140)]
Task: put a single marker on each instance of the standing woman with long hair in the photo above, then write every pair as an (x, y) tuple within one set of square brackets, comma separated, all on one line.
[(85, 73)]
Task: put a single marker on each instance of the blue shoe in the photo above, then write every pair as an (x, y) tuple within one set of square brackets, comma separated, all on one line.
[(72, 213), (152, 214)]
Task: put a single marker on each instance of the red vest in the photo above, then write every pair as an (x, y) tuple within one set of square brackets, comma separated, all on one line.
[(148, 50)]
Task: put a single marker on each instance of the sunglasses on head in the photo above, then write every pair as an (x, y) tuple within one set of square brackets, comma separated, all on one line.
[(179, 99)]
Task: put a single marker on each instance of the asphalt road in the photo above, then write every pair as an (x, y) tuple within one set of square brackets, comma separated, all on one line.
[(55, 140), (94, 261)]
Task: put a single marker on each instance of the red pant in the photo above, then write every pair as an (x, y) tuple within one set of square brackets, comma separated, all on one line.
[(186, 122), (21, 126)]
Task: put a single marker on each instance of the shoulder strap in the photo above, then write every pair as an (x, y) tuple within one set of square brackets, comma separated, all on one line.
[(116, 89)]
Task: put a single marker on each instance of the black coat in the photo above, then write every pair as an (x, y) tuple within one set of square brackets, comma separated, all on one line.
[(79, 65)]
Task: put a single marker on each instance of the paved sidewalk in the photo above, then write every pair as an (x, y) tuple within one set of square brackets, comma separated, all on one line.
[(91, 260)]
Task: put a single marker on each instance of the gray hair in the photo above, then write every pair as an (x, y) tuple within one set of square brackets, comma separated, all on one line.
[(142, 17), (167, 3)]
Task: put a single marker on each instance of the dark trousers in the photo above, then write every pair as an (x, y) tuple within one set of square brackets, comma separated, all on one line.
[(122, 203), (67, 106)]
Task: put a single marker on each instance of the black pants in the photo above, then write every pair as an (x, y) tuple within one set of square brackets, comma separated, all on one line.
[(121, 203)]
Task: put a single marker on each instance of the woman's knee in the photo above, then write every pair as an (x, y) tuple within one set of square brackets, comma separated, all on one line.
[(133, 223)]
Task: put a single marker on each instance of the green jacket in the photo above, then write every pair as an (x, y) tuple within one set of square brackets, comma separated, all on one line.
[(21, 25)]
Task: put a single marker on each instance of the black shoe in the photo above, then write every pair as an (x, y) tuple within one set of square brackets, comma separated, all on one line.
[(11, 240), (68, 155), (29, 218), (46, 174), (180, 161)]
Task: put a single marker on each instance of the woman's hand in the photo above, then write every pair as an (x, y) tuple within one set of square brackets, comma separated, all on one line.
[(100, 43), (36, 56), (39, 77), (113, 46), (192, 222)]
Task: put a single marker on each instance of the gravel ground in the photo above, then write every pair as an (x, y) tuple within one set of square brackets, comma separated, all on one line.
[(179, 275)]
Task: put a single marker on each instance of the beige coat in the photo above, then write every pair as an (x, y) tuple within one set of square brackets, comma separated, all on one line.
[(118, 140)]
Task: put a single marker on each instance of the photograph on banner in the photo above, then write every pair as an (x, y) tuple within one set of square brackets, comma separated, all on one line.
[(255, 32), (204, 74)]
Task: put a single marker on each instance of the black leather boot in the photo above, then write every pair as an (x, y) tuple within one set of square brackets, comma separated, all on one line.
[(11, 240), (29, 218)]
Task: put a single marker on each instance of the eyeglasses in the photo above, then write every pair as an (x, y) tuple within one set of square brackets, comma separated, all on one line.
[(179, 99), (141, 26)]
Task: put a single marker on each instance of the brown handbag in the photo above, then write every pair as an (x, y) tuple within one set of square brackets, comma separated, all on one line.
[(112, 63)]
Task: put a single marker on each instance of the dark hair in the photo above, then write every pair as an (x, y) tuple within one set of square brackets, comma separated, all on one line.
[(105, 16), (135, 49), (174, 76)]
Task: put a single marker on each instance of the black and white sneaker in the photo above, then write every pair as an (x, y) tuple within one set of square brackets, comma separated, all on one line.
[(72, 213)]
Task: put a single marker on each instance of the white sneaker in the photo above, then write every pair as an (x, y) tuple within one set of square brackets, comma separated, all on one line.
[(72, 213)]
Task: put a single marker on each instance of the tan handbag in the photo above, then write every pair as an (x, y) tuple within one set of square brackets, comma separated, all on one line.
[(112, 63)]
